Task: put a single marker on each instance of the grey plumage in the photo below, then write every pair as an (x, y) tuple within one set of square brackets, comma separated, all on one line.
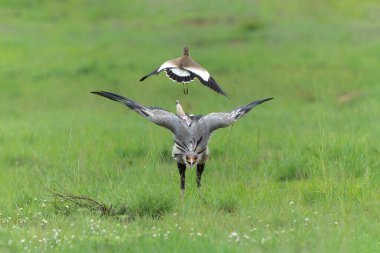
[(190, 140)]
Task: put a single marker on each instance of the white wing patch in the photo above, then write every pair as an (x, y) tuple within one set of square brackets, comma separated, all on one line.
[(179, 75), (202, 73), (180, 72)]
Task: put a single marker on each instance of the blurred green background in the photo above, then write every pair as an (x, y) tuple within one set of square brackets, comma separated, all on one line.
[(297, 174)]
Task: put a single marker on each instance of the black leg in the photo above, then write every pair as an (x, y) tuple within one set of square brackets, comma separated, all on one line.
[(182, 170), (200, 168), (185, 89)]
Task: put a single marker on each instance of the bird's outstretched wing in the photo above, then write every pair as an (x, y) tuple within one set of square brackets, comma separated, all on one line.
[(166, 65), (148, 75), (204, 76), (157, 115), (211, 83), (217, 120)]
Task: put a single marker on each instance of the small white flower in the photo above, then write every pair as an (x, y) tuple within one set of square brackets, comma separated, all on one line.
[(233, 234), (307, 219), (22, 240), (199, 234), (291, 203)]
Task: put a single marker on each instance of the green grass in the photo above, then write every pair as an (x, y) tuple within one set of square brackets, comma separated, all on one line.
[(297, 174)]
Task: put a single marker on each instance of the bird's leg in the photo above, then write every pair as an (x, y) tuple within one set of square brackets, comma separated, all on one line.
[(182, 170), (185, 89), (200, 168)]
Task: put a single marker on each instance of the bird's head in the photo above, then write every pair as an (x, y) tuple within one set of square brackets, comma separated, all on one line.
[(191, 159), (186, 51)]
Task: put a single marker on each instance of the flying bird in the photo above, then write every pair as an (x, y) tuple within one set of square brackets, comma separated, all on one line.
[(191, 132), (184, 70)]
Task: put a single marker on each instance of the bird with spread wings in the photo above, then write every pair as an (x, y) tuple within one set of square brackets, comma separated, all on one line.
[(191, 132)]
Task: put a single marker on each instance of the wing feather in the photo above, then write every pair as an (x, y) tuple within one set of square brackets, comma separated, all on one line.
[(217, 120), (157, 115)]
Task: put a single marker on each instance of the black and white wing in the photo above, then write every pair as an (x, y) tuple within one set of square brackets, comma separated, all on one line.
[(179, 75), (204, 77), (217, 120), (165, 65), (172, 71), (157, 115)]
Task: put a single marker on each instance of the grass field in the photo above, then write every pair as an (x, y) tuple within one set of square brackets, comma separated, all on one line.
[(298, 174)]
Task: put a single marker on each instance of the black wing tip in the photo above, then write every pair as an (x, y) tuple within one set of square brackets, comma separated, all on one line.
[(110, 95), (265, 100), (212, 84), (249, 106), (257, 102), (100, 93), (154, 72), (118, 98), (107, 94)]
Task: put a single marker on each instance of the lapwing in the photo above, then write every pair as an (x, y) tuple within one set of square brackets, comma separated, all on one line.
[(190, 139), (184, 70)]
